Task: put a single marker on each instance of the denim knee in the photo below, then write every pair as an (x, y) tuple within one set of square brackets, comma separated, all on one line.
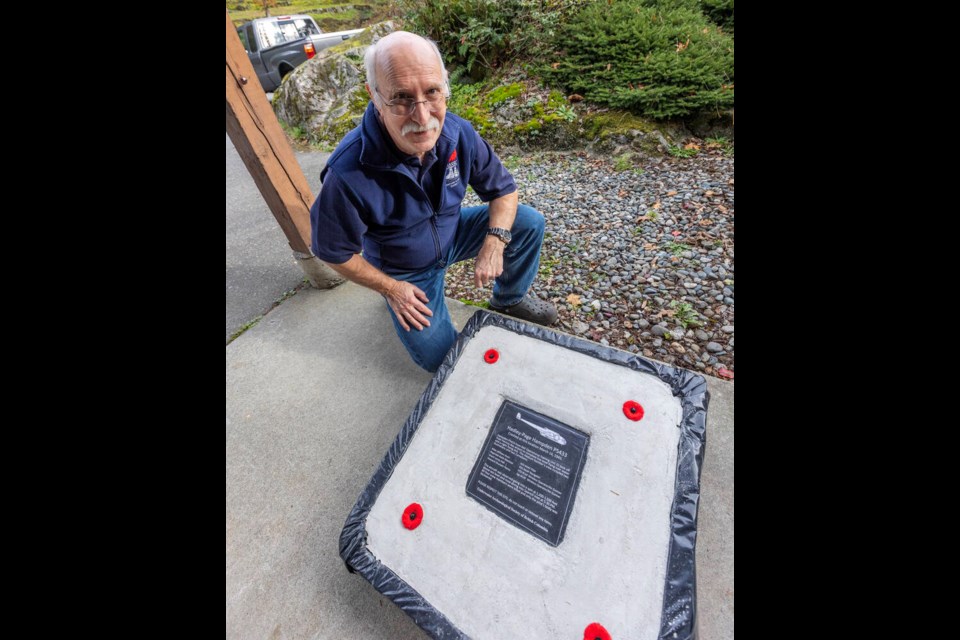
[(528, 219)]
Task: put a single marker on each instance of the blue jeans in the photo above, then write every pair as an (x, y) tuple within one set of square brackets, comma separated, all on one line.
[(521, 259)]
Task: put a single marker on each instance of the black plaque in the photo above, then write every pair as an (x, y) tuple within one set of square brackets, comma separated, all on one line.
[(528, 471)]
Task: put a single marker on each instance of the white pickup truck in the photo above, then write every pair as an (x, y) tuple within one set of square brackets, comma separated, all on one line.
[(279, 44)]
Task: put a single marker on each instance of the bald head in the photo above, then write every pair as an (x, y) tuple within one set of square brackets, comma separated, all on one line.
[(400, 53)]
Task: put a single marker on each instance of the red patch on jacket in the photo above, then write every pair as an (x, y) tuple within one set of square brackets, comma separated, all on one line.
[(453, 156)]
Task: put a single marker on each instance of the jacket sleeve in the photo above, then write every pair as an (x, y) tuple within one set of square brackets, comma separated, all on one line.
[(488, 177), (335, 225)]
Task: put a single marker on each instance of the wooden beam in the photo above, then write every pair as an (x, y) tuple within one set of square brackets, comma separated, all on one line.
[(258, 138)]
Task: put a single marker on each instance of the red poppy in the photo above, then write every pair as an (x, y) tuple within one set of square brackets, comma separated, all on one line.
[(491, 356), (412, 516), (595, 631), (453, 156), (632, 410)]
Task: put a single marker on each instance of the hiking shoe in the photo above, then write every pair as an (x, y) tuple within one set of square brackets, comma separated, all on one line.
[(530, 309)]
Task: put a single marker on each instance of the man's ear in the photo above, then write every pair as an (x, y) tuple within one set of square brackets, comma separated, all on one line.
[(369, 92)]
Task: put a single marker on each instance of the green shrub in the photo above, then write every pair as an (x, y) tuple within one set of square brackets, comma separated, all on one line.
[(658, 61), (482, 35), (720, 12)]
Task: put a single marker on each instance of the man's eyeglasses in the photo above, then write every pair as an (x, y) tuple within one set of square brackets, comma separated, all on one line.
[(406, 106)]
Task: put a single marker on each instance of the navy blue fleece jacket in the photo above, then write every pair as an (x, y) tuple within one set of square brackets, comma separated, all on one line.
[(402, 216)]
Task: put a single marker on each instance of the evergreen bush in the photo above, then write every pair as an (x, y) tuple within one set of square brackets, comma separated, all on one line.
[(483, 35), (721, 12), (660, 61)]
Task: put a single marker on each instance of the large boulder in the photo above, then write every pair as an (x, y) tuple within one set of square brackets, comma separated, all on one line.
[(325, 96)]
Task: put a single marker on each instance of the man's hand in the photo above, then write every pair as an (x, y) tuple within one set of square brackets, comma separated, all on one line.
[(407, 302), (489, 262)]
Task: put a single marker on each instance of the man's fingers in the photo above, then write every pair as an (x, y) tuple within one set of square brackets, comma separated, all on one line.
[(420, 306), (408, 303), (420, 294), (417, 320)]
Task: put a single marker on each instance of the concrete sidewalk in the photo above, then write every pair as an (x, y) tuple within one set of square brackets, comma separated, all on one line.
[(260, 263), (316, 393)]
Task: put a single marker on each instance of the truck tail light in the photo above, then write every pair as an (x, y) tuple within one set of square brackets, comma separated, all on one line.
[(309, 50)]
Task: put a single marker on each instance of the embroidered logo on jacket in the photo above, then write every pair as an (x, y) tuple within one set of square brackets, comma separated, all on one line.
[(452, 176)]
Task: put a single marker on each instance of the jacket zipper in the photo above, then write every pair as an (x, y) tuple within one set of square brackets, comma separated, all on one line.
[(433, 218)]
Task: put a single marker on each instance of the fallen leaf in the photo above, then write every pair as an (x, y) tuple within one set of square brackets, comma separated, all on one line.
[(656, 205), (622, 193), (671, 193), (555, 65), (706, 222), (723, 372), (691, 145), (573, 299), (649, 246), (709, 193), (675, 233), (722, 208)]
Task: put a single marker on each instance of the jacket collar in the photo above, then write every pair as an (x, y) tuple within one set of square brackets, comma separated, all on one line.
[(378, 151)]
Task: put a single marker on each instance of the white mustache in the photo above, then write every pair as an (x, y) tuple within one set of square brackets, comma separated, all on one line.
[(413, 127)]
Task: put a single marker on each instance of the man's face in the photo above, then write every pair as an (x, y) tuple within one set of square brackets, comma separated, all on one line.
[(411, 71)]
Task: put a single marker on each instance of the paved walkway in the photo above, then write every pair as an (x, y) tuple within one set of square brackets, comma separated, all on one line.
[(316, 393)]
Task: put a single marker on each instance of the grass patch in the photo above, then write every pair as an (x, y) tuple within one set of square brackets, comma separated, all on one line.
[(622, 162), (512, 162), (546, 267), (680, 152), (331, 15)]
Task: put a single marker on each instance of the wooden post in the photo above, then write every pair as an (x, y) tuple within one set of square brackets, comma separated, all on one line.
[(260, 141)]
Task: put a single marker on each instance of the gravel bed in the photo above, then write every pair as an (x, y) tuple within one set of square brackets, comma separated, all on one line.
[(640, 259)]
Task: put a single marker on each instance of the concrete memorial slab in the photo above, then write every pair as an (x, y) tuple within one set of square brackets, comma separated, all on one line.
[(543, 487)]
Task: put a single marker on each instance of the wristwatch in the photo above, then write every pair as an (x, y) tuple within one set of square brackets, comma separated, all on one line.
[(502, 234)]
